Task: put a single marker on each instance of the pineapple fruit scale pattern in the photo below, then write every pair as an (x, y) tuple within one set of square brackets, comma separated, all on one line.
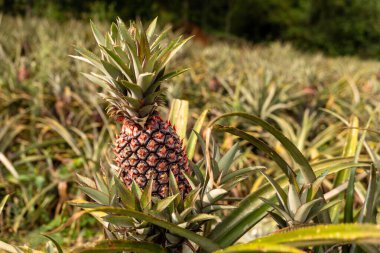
[(151, 152)]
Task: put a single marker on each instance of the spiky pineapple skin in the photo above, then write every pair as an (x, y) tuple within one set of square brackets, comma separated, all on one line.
[(151, 151)]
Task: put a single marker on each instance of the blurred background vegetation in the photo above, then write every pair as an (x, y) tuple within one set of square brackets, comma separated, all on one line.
[(245, 57), (337, 27)]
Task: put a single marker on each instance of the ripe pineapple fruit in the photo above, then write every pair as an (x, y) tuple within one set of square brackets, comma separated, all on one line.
[(133, 62)]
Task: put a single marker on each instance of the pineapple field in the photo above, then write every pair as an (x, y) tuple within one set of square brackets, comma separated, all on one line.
[(130, 137)]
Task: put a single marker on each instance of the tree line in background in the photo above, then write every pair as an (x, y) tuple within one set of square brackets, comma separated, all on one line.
[(337, 27)]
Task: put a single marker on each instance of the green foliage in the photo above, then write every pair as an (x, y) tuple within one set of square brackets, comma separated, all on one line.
[(53, 126), (345, 27), (336, 27), (301, 204), (312, 236), (266, 20)]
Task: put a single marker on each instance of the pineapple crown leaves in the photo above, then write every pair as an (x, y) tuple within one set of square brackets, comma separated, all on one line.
[(298, 206), (132, 67), (216, 187)]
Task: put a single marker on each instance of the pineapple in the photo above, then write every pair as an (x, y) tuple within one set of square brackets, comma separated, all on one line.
[(133, 64)]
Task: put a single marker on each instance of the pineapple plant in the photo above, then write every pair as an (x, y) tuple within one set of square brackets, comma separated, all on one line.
[(133, 65), (151, 175), (299, 206)]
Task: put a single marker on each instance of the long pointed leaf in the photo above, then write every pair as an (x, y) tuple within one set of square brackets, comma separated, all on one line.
[(203, 242), (325, 235), (110, 246), (260, 145), (306, 169), (192, 141), (260, 247)]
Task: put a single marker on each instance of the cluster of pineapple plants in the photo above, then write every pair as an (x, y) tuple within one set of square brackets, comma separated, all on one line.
[(152, 187), (155, 196)]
